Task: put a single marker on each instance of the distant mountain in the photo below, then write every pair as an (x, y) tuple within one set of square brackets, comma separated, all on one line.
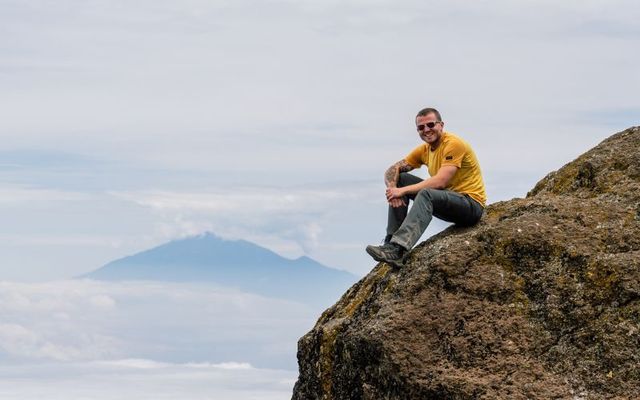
[(232, 263)]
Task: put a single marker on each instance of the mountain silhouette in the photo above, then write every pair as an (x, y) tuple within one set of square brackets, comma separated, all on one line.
[(238, 264)]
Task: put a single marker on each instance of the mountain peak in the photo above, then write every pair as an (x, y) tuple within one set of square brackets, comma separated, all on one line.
[(234, 263), (541, 299)]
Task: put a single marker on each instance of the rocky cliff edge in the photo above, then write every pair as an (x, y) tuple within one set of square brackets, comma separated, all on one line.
[(540, 300)]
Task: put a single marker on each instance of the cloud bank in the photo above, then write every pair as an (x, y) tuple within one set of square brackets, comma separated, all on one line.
[(84, 320), (85, 339), (140, 379)]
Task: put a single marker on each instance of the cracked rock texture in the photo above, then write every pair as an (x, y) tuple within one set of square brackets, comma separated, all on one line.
[(540, 300)]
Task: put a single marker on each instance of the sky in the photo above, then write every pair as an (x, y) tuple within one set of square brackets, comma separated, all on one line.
[(127, 124)]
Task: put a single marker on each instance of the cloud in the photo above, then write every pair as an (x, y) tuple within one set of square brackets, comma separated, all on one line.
[(133, 379), (86, 339), (196, 102), (61, 240), (18, 342), (84, 320), (258, 213), (247, 199), (21, 194), (150, 364)]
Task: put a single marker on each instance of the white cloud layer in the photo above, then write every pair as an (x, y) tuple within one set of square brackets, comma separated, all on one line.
[(84, 339), (294, 214), (84, 320), (11, 195), (141, 379)]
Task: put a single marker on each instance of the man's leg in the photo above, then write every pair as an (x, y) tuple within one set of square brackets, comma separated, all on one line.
[(398, 214), (444, 204), (461, 210), (388, 252)]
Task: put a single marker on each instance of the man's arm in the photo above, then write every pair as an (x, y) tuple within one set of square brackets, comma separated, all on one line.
[(438, 181), (392, 174), (391, 177)]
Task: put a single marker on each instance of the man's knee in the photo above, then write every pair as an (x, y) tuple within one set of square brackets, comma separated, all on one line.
[(406, 179), (403, 179), (427, 193)]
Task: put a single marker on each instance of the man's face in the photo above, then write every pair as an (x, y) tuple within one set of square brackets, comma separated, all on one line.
[(429, 135)]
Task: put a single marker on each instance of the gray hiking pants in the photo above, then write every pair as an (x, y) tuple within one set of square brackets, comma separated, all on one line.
[(407, 225)]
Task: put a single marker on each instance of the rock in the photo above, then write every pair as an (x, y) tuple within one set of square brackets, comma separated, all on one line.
[(540, 300)]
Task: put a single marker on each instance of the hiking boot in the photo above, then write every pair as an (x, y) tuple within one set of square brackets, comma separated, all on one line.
[(390, 253)]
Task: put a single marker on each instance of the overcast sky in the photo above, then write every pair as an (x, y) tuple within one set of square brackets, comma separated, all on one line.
[(126, 124)]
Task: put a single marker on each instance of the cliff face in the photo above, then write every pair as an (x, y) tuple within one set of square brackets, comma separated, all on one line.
[(540, 300)]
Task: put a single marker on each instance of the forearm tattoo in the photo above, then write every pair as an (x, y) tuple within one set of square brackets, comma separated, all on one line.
[(393, 173)]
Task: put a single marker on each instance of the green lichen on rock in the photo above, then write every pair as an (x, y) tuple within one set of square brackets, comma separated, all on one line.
[(337, 318), (541, 300), (327, 349)]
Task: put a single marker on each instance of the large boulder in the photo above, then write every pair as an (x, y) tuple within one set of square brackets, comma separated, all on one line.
[(540, 300)]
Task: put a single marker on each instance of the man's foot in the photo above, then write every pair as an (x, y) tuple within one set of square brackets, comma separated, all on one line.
[(390, 253)]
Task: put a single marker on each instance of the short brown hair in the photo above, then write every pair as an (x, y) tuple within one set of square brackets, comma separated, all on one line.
[(427, 111)]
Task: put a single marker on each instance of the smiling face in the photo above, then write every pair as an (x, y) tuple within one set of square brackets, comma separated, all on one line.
[(432, 135)]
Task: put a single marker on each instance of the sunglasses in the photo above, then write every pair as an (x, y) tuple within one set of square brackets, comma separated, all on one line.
[(429, 125)]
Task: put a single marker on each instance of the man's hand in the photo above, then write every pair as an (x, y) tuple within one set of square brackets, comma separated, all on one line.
[(394, 193), (391, 180), (395, 203)]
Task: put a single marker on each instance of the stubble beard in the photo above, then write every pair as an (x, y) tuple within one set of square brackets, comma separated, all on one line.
[(430, 138)]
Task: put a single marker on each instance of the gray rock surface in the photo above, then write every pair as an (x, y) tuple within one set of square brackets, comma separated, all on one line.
[(541, 300)]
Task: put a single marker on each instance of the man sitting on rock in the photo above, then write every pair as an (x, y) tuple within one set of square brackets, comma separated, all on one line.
[(454, 192)]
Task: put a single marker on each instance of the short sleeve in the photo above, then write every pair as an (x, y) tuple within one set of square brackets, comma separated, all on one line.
[(415, 157), (453, 153)]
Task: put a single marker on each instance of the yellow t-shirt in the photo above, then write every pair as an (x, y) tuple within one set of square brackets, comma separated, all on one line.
[(452, 151)]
